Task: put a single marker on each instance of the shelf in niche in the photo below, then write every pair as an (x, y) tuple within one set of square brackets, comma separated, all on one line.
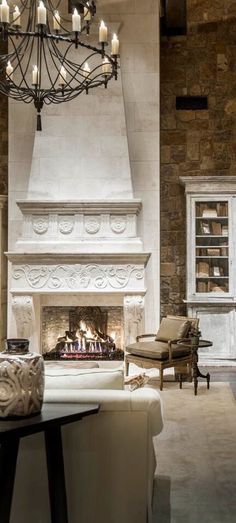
[(215, 257), (212, 235), (213, 218), (212, 277)]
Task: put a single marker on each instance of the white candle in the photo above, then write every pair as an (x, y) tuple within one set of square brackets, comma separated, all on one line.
[(56, 21), (86, 69), (16, 16), (35, 75), (115, 45), (87, 13), (106, 66), (5, 12), (76, 21), (42, 13), (102, 32), (9, 70), (62, 77)]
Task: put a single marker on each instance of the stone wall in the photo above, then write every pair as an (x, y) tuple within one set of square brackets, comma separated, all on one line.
[(199, 142), (3, 138), (3, 207)]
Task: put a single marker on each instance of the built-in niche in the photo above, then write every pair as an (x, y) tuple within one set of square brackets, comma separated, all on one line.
[(82, 332)]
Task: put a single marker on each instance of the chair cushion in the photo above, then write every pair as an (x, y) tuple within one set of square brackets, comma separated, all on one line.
[(173, 328), (156, 350)]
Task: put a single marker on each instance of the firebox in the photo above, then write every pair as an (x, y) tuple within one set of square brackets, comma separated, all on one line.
[(83, 332)]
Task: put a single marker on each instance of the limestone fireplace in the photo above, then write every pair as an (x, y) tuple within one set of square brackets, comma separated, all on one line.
[(78, 253)]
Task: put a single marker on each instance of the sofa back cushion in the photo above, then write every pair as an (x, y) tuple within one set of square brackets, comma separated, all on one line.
[(173, 328), (84, 378)]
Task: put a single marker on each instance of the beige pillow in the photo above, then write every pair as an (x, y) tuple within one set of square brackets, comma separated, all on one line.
[(173, 328)]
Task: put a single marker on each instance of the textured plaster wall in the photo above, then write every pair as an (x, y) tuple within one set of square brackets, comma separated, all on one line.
[(93, 138), (194, 142)]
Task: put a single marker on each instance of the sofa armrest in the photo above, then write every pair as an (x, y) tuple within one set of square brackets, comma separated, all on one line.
[(147, 400)]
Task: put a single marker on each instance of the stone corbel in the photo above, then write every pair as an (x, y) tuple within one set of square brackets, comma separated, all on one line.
[(133, 317), (22, 307)]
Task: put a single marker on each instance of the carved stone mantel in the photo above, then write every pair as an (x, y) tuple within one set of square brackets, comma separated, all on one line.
[(79, 250)]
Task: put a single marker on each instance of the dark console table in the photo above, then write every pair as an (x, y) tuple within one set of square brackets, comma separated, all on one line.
[(52, 417)]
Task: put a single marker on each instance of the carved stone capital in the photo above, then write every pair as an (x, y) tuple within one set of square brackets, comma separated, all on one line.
[(22, 307), (133, 317)]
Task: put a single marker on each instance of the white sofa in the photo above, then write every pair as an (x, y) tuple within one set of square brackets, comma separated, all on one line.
[(109, 457)]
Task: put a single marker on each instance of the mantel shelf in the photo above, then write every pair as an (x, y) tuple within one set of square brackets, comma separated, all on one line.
[(72, 258)]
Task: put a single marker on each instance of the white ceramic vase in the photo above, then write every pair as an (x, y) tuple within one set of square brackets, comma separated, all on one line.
[(21, 380)]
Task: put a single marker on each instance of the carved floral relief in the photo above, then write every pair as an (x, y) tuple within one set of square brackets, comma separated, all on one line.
[(77, 276)]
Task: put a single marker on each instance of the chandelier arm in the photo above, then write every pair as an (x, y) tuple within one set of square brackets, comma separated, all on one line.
[(17, 57)]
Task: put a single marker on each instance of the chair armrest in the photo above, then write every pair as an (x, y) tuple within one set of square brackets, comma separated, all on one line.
[(184, 340), (182, 345), (145, 336)]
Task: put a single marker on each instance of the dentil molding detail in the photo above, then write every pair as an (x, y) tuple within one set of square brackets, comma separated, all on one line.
[(22, 307), (77, 277), (133, 317)]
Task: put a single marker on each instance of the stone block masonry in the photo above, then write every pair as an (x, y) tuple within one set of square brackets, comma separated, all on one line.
[(3, 138), (201, 142)]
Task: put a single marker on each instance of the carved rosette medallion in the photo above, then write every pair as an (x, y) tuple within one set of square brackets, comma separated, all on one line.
[(92, 224), (22, 307), (40, 224), (118, 224), (66, 224)]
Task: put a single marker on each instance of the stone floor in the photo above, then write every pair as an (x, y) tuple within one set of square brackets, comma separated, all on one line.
[(196, 452)]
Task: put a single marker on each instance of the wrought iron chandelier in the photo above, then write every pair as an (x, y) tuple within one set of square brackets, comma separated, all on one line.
[(46, 60)]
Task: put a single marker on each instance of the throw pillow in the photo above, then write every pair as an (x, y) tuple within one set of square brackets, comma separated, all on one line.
[(173, 328)]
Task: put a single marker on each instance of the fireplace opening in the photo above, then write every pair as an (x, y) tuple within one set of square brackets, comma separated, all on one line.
[(82, 333)]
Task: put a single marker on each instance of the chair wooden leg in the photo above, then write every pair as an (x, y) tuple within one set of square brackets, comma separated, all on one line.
[(180, 380), (161, 379), (126, 368)]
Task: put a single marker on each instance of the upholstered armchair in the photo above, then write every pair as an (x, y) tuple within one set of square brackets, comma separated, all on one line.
[(164, 351)]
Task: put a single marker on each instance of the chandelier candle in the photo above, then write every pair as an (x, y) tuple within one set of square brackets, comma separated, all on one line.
[(62, 77), (87, 14), (42, 13), (9, 70), (86, 69), (56, 21), (76, 21), (16, 17), (102, 32), (115, 45), (105, 66), (35, 75), (5, 12)]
